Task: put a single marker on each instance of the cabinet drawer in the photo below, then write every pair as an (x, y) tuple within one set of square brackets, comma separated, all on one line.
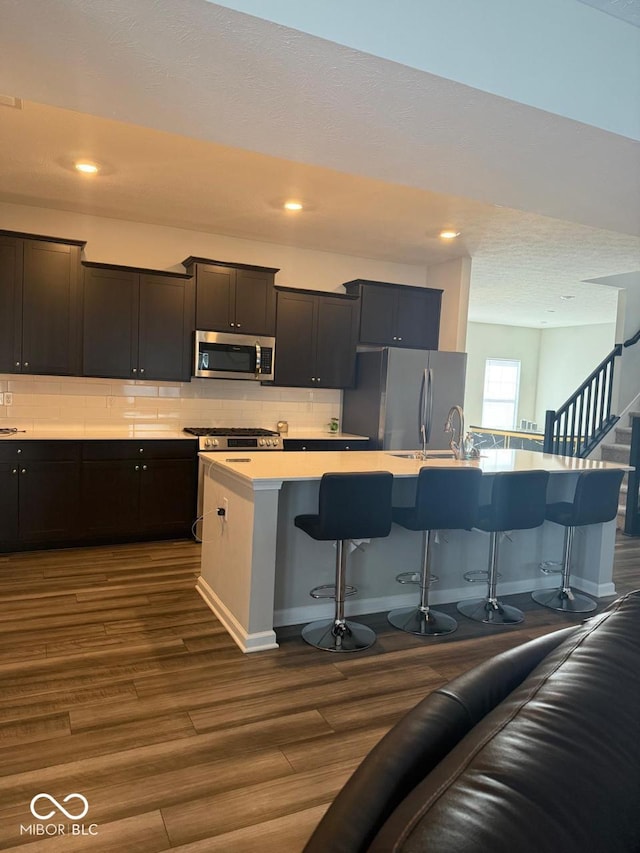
[(325, 444), (32, 451), (149, 449)]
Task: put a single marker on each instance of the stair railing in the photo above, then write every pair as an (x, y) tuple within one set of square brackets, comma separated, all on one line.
[(585, 418), (632, 512)]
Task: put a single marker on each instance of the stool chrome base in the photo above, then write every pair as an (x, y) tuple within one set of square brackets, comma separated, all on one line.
[(338, 636), (564, 600), (429, 623), (490, 611)]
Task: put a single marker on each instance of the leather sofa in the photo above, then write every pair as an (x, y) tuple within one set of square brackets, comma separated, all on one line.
[(537, 750)]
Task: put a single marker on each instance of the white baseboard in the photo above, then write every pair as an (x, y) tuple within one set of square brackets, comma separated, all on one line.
[(256, 642)]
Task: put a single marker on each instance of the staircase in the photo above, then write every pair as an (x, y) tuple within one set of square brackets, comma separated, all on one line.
[(619, 451)]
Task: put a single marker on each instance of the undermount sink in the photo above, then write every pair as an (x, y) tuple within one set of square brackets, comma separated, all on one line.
[(418, 454)]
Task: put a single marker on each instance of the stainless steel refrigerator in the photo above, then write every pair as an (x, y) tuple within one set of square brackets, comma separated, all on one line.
[(400, 390)]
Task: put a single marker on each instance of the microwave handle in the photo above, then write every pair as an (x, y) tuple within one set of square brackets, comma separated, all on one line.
[(258, 358)]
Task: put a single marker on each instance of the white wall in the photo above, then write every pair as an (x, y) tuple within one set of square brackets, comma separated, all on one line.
[(554, 362), (486, 340), (48, 403), (454, 278), (567, 357)]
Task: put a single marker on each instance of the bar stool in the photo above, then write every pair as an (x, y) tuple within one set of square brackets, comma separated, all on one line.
[(446, 499), (350, 506), (595, 501), (518, 501)]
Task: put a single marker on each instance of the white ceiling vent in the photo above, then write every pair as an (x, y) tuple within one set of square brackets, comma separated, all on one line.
[(10, 101)]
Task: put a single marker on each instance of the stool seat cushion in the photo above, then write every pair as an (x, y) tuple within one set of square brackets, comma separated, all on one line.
[(518, 501), (595, 500), (310, 524), (560, 512), (351, 505), (446, 499)]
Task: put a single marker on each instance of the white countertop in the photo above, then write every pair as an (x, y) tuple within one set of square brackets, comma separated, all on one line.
[(97, 433), (320, 434), (311, 465)]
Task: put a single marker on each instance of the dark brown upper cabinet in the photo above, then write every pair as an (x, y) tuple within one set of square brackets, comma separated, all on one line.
[(138, 324), (315, 339), (237, 298), (397, 315), (40, 308)]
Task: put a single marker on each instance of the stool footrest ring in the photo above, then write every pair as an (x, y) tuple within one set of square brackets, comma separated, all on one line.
[(318, 591), (414, 578), (478, 576)]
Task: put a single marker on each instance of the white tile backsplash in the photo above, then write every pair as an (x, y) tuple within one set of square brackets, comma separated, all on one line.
[(46, 402)]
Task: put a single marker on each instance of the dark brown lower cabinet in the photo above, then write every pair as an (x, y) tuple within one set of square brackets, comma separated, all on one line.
[(39, 493), (138, 489), (55, 493)]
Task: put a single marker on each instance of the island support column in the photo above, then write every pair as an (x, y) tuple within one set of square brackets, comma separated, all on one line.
[(239, 556)]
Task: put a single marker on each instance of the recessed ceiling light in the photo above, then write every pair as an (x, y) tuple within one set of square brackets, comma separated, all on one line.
[(551, 310), (292, 205), (567, 297), (86, 167), (449, 234)]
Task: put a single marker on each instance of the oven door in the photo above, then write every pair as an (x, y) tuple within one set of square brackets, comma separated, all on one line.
[(223, 356)]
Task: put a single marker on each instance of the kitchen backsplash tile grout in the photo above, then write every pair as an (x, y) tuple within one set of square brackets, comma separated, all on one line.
[(44, 402)]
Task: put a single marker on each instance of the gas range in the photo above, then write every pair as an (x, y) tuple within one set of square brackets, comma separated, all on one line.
[(235, 438)]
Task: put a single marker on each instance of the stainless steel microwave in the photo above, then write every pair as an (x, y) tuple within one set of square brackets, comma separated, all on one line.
[(219, 355)]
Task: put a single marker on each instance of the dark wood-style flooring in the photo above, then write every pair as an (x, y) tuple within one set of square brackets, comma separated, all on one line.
[(118, 683)]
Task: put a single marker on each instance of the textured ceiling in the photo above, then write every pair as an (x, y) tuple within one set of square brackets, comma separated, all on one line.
[(626, 10), (385, 154)]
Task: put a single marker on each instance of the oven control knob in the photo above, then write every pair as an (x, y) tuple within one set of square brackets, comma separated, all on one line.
[(275, 442), (215, 442), (207, 442)]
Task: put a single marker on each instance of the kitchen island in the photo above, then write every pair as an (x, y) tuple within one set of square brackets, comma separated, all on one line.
[(257, 567)]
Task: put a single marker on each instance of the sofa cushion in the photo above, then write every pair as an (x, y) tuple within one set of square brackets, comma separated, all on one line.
[(422, 738), (554, 767)]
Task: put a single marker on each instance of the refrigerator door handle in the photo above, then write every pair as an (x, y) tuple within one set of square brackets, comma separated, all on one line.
[(422, 436), (429, 404)]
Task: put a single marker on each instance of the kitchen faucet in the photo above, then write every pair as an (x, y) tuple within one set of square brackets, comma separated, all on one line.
[(457, 447)]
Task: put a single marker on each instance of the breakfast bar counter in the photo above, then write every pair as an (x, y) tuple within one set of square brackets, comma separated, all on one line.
[(257, 567)]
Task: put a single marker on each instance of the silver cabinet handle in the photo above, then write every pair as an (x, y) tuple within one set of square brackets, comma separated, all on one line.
[(19, 450), (141, 450), (232, 324), (144, 467), (23, 470), (14, 470), (26, 364), (142, 370), (394, 338), (136, 467), (238, 325), (134, 369), (399, 339), (17, 364)]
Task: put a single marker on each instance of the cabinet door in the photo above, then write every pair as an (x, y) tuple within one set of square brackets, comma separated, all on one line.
[(165, 328), (110, 337), (51, 308), (295, 340), (335, 342), (48, 505), (255, 303), (110, 497), (10, 304), (9, 478), (214, 298), (168, 496), (417, 318), (377, 315)]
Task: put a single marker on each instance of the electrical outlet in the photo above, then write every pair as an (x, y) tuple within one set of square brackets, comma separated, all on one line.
[(8, 398), (225, 506)]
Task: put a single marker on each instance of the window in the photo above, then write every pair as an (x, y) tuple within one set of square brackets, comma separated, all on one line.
[(500, 398)]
